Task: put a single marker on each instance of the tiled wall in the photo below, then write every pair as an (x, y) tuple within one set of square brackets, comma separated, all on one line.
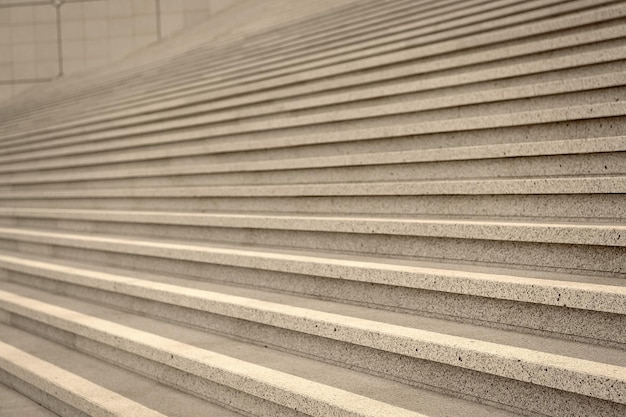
[(43, 40)]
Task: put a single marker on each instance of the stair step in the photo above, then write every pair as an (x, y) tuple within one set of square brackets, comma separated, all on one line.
[(278, 78), (281, 310), (587, 309), (512, 100), (553, 231), (20, 368), (169, 145), (604, 184), (539, 29), (587, 207), (346, 208), (478, 363), (528, 244), (576, 156), (71, 383), (16, 404), (577, 58), (277, 382)]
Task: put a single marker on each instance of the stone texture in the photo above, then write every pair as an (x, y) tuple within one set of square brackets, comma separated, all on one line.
[(331, 208)]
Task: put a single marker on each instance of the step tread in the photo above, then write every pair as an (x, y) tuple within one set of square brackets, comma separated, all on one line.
[(182, 142), (605, 184), (540, 287), (203, 214), (16, 404), (527, 230), (171, 110), (582, 85), (280, 369), (67, 387), (270, 307), (457, 153), (115, 384)]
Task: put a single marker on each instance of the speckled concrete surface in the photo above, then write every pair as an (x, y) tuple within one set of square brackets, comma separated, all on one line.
[(76, 392), (466, 383), (178, 174), (547, 232), (283, 389), (577, 295), (584, 87), (340, 208), (15, 404), (611, 108), (119, 383)]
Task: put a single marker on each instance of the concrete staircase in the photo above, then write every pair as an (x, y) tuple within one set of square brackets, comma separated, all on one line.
[(329, 208)]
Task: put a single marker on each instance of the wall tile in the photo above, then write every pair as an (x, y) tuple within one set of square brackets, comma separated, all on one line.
[(71, 30), (95, 48), (45, 32), (145, 7), (47, 68), (119, 8), (5, 17), (6, 53), (145, 25), (23, 33), (74, 49), (46, 51), (44, 14), (96, 9), (22, 14), (96, 28), (6, 71), (168, 6), (120, 26), (23, 52), (71, 11), (5, 35), (73, 65)]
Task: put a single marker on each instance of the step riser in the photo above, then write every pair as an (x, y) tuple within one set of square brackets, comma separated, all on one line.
[(168, 375), (280, 145), (582, 164), (346, 208), (187, 352), (580, 206), (574, 324), (467, 14), (493, 80), (578, 259), (433, 110), (517, 396), (502, 71), (39, 396), (321, 124), (473, 50), (260, 146)]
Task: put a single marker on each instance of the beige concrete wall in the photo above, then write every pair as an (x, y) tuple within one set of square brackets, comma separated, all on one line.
[(42, 40)]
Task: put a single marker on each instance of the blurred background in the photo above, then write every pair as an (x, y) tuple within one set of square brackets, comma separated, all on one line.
[(41, 41)]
